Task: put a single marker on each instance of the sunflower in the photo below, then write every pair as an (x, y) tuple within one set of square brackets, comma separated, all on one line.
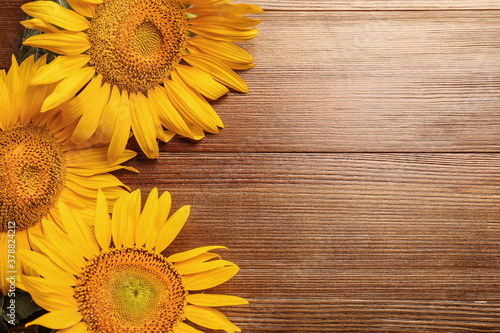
[(40, 166), (142, 64), (115, 279)]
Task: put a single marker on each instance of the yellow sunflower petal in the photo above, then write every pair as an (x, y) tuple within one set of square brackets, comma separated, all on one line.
[(54, 233), (56, 14), (39, 25), (163, 209), (4, 273), (15, 89), (96, 182), (95, 158), (234, 8), (194, 268), (185, 328), (122, 126), (202, 82), (126, 212), (167, 113), (164, 205), (58, 319), (197, 102), (220, 71), (209, 279), (103, 222), (33, 96), (161, 134), (237, 66), (22, 242), (205, 2), (171, 229), (67, 88), (58, 238), (118, 220), (226, 59), (5, 112), (54, 254), (82, 204), (83, 7), (186, 255), (143, 126), (181, 265), (26, 71), (51, 300), (113, 193), (215, 300), (224, 32), (43, 285), (221, 49), (67, 196), (108, 118), (59, 127), (65, 43), (79, 232), (166, 135), (60, 68), (45, 267), (209, 318), (183, 102), (77, 106), (94, 2), (89, 121), (192, 105), (243, 9), (229, 19), (83, 192), (93, 172), (80, 327), (133, 212), (146, 224)]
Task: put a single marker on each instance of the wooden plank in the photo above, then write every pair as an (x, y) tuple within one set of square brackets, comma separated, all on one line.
[(350, 242), (360, 5), (366, 81), (11, 31), (339, 242)]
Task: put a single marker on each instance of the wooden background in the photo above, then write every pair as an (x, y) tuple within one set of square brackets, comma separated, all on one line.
[(357, 185)]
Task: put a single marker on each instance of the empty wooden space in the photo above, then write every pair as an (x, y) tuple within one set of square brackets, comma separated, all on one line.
[(357, 184)]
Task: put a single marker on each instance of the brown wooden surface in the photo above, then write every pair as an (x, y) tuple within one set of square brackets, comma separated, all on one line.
[(372, 5), (358, 183)]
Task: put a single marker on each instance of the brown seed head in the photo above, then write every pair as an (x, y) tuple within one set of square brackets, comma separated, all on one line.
[(32, 174), (135, 44), (131, 290)]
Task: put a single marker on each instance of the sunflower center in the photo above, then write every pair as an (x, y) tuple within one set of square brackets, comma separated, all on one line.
[(32, 173), (135, 44), (131, 290), (147, 39)]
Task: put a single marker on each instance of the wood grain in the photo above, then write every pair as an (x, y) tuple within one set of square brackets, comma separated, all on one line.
[(337, 242), (369, 81), (357, 184), (372, 5), (11, 31)]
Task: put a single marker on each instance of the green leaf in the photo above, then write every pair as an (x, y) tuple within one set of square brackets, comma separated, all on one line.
[(3, 327), (22, 304), (25, 306)]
